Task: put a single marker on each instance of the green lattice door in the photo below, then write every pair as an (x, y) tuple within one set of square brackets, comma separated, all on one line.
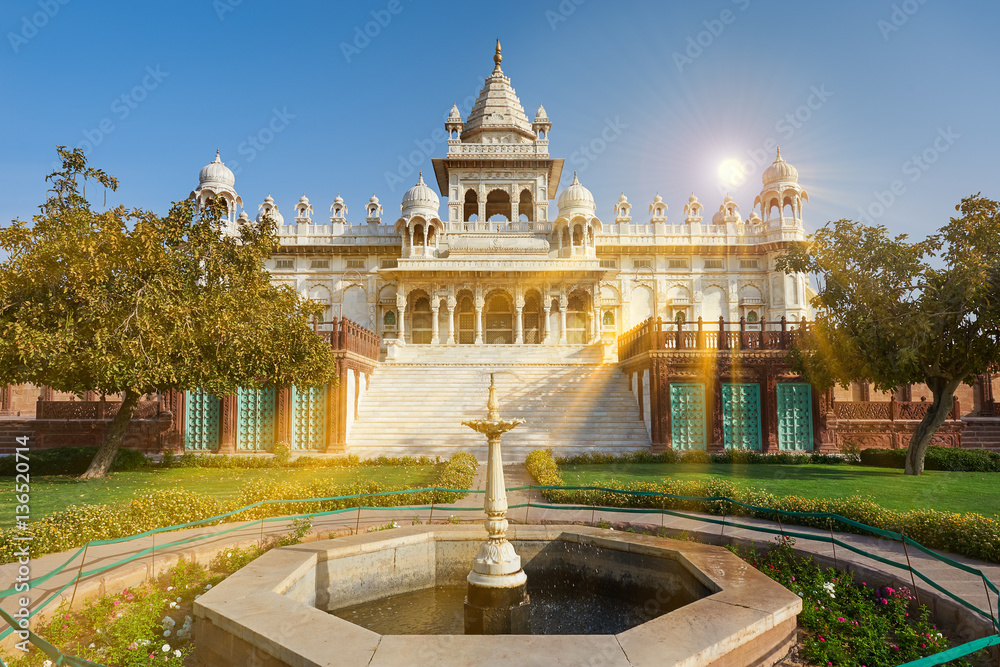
[(795, 425), (741, 415), (309, 418), (201, 421), (255, 415), (687, 415)]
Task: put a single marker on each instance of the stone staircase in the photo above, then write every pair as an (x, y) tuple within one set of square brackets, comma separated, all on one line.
[(570, 400), (981, 432)]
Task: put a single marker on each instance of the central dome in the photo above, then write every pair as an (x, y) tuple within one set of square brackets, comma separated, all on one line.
[(497, 107), (780, 171), (420, 195)]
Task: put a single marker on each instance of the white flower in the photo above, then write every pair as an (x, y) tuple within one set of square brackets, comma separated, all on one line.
[(170, 588), (828, 587), (208, 586), (166, 647), (197, 596), (177, 653), (173, 605), (166, 633), (47, 663), (92, 646)]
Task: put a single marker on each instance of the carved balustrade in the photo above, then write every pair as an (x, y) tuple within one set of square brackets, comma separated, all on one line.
[(891, 410), (345, 334), (700, 335)]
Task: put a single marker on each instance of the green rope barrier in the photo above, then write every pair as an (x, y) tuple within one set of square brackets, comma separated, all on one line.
[(954, 652)]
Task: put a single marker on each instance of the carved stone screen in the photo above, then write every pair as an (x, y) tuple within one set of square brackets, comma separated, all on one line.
[(687, 415), (795, 427), (741, 415)]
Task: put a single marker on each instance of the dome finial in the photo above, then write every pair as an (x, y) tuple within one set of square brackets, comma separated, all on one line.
[(497, 57), (217, 158), (779, 154), (420, 178), (574, 178)]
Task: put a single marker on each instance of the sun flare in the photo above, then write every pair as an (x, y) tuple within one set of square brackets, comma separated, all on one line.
[(731, 172)]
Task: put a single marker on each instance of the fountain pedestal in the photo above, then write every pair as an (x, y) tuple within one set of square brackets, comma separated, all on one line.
[(497, 599)]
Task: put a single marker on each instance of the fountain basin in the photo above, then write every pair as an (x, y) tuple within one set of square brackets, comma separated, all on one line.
[(275, 610)]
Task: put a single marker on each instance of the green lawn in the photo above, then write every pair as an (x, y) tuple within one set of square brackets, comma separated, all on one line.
[(52, 493), (951, 491)]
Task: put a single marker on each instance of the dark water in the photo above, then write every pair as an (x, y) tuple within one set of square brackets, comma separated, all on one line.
[(573, 609)]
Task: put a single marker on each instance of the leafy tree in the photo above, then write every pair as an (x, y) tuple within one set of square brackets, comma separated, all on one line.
[(893, 312), (126, 301)]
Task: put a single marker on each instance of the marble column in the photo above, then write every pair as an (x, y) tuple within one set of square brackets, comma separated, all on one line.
[(479, 303), (519, 320), (401, 318), (451, 303), (563, 304), (435, 325), (546, 311)]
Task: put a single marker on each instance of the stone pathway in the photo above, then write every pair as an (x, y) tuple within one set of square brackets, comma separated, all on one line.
[(967, 586)]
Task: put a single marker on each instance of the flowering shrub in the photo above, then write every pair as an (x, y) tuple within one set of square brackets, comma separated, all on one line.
[(76, 525), (139, 626), (282, 459), (850, 624), (969, 534)]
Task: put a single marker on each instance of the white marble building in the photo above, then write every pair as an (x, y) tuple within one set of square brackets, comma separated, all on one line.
[(500, 268)]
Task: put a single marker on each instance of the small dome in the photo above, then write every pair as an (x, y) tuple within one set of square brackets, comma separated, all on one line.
[(454, 114), (244, 217), (374, 199), (780, 171), (541, 115), (336, 200), (576, 196), (419, 195), (304, 200), (270, 208), (216, 172), (622, 199)]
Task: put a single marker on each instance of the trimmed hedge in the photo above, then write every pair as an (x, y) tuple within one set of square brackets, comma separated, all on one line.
[(740, 456), (968, 534), (72, 461), (937, 458), (74, 526)]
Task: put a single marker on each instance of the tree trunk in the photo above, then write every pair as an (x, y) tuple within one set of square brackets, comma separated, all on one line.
[(101, 464), (944, 393)]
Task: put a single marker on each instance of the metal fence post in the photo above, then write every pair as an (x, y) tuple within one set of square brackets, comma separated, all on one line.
[(80, 572)]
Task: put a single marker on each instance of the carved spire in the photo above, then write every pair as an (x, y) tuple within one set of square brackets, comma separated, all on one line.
[(497, 58)]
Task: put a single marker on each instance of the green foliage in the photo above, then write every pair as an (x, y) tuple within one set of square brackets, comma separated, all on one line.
[(134, 628), (937, 458), (282, 455), (74, 526), (847, 623), (127, 301), (72, 461), (968, 533), (893, 313), (237, 461)]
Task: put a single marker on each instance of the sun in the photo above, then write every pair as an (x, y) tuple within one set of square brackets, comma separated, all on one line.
[(731, 172)]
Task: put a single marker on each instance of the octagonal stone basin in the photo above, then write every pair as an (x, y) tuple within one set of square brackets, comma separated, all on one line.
[(701, 605)]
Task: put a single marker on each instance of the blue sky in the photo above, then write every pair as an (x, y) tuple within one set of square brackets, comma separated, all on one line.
[(886, 108)]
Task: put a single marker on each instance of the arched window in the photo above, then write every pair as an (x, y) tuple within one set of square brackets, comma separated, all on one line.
[(498, 204), (471, 207), (752, 316), (609, 318), (525, 206), (389, 319), (680, 317)]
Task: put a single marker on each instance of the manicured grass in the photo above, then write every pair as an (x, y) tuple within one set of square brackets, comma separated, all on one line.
[(949, 491), (52, 493)]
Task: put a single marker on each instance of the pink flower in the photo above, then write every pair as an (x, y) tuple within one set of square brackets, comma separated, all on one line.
[(841, 619)]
